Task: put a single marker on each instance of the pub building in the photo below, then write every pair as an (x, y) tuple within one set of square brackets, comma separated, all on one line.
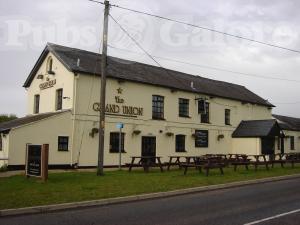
[(164, 114)]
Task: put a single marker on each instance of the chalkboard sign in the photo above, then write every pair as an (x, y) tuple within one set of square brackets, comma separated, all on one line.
[(37, 161), (201, 138), (34, 160)]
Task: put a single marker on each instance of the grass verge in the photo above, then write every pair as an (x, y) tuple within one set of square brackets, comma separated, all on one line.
[(18, 191)]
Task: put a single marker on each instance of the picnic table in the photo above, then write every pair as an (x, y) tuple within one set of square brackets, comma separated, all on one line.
[(145, 162), (177, 161), (292, 158), (205, 162), (239, 160), (277, 158), (260, 160)]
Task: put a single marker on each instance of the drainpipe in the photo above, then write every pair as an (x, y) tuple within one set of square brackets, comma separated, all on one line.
[(76, 77)]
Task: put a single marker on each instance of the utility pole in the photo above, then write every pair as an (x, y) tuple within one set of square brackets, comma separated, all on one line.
[(103, 91)]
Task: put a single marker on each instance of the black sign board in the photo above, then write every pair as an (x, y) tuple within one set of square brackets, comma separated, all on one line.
[(34, 160), (201, 138)]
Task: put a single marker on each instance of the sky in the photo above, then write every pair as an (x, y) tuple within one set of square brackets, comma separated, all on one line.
[(26, 27)]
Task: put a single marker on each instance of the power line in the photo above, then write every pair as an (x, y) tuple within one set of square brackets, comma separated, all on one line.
[(201, 27), (138, 44), (212, 68)]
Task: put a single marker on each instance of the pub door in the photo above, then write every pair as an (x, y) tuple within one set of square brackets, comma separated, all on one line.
[(268, 146), (148, 146)]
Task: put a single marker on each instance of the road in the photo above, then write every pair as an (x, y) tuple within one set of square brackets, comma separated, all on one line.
[(269, 203)]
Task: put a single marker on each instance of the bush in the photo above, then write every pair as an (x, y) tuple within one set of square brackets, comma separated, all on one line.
[(3, 168)]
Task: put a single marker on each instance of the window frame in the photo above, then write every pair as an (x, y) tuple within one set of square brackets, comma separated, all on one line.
[(184, 107), (59, 99), (36, 104), (228, 117), (292, 142), (158, 105), (180, 147), (64, 143), (205, 118), (50, 65), (116, 145)]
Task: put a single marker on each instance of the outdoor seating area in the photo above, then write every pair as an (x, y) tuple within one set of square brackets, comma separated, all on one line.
[(213, 162)]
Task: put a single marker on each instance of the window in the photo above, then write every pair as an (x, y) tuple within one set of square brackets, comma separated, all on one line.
[(50, 66), (183, 107), (63, 143), (157, 107), (114, 142), (227, 117), (36, 104), (205, 115), (59, 99), (201, 138), (278, 143), (180, 143), (1, 144), (292, 142)]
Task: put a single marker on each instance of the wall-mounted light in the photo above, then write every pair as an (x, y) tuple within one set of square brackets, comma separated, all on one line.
[(40, 77)]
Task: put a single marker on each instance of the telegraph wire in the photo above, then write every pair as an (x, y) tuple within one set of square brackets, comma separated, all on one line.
[(139, 45), (210, 67), (200, 27)]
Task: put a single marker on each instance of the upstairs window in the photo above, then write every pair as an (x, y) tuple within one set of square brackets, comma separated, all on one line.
[(36, 104), (63, 143), (59, 99), (180, 143), (227, 117), (205, 114), (50, 66), (157, 107), (183, 107), (292, 142), (115, 141)]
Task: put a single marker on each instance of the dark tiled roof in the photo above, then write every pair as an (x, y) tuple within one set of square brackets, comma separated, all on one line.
[(257, 128), (148, 74), (6, 126), (288, 123)]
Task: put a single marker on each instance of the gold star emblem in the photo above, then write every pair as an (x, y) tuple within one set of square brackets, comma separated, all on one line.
[(120, 90)]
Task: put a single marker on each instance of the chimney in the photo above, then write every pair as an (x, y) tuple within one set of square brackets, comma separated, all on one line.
[(78, 62)]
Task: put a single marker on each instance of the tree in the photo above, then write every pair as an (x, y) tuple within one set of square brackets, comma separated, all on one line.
[(7, 117)]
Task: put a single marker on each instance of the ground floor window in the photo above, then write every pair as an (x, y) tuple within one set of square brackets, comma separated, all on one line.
[(201, 138), (63, 143), (292, 142), (114, 142), (180, 143)]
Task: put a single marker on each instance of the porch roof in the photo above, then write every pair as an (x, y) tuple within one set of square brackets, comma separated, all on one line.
[(257, 128)]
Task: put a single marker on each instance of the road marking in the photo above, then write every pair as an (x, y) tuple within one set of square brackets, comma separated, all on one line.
[(273, 217)]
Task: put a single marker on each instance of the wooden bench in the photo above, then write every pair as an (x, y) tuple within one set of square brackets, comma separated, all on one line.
[(292, 158), (277, 159), (259, 160), (239, 160), (190, 165), (145, 162), (206, 163)]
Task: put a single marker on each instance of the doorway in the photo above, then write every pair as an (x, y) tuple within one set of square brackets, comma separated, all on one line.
[(268, 146), (148, 146)]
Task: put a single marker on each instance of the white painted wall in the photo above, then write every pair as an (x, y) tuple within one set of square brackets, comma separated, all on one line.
[(42, 132), (64, 80)]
